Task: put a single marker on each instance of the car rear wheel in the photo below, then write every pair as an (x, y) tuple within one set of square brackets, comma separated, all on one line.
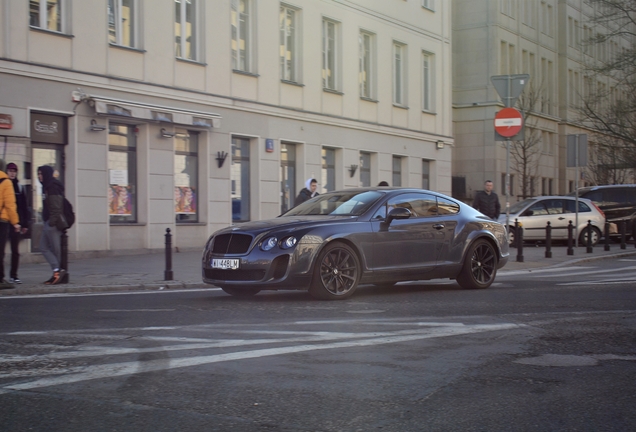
[(596, 236), (480, 266), (336, 273), (241, 291)]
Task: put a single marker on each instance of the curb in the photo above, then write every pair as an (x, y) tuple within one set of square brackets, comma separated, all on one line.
[(578, 260)]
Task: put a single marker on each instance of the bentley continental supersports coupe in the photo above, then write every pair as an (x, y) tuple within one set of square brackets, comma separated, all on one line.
[(338, 240)]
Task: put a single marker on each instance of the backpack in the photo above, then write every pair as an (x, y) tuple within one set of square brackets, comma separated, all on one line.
[(69, 215)]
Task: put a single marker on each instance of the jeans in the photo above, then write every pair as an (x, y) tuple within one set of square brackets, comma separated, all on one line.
[(51, 245), (4, 235), (15, 238)]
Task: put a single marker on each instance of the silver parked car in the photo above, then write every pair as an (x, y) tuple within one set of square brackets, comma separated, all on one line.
[(534, 214)]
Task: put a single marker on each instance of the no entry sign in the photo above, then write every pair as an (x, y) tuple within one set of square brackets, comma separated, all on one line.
[(508, 122)]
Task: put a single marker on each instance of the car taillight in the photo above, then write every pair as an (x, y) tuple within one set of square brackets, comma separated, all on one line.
[(599, 210)]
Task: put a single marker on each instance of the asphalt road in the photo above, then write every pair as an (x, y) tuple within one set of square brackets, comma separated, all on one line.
[(543, 350)]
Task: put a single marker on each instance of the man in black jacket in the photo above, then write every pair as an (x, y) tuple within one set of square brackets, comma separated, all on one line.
[(308, 192), (23, 215), (487, 201), (54, 222)]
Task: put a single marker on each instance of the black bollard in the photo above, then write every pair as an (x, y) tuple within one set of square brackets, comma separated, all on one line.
[(548, 240), (519, 234), (570, 231), (167, 274), (589, 236), (64, 257), (516, 242), (607, 235), (623, 241)]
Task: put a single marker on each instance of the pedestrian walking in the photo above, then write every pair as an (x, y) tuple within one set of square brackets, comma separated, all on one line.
[(24, 218), (8, 218), (308, 192), (487, 201), (54, 222)]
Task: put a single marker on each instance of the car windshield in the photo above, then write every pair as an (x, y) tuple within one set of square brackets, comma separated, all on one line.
[(348, 203), (517, 207)]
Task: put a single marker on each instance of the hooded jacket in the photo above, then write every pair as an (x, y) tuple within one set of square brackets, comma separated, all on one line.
[(21, 203), (305, 193), (52, 199), (7, 201)]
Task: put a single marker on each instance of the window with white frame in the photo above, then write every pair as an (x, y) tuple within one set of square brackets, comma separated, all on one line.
[(365, 169), (186, 29), (122, 22), (48, 14), (186, 168), (241, 21), (329, 54), (399, 73), (240, 179), (428, 4), (427, 82), (366, 64), (289, 31)]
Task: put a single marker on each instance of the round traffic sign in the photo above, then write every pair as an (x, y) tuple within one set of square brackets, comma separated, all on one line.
[(508, 122)]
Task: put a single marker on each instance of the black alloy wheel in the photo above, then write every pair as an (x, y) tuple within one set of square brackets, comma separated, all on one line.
[(241, 291), (480, 266), (336, 274)]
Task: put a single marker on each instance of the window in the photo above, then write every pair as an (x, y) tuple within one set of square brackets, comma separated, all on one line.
[(240, 179), (399, 74), (47, 14), (428, 4), (122, 22), (446, 207), (366, 65), (544, 186), (329, 55), (365, 169), (288, 44), (186, 36), (550, 187), (287, 176), (328, 171), (186, 164), (503, 184), (426, 174), (528, 13), (397, 171), (122, 174), (241, 16), (427, 97)]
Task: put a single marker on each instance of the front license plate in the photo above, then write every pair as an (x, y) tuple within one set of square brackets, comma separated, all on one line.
[(225, 264)]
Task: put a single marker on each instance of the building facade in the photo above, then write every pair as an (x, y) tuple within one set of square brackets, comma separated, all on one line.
[(195, 114)]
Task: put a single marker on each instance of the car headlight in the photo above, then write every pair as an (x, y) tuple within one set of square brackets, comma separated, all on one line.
[(288, 242), (269, 243)]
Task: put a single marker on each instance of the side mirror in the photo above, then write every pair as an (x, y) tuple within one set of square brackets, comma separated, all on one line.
[(398, 213)]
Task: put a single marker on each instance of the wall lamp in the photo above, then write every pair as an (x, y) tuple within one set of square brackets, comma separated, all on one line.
[(97, 127), (352, 170), (166, 134), (439, 145), (220, 158)]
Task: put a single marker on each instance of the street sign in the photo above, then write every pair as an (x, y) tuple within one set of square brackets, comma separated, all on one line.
[(509, 87), (508, 122)]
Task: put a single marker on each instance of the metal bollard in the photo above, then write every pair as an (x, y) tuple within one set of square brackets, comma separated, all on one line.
[(548, 240), (516, 242), (623, 241), (589, 237), (167, 274), (519, 234), (570, 231), (607, 235), (64, 258)]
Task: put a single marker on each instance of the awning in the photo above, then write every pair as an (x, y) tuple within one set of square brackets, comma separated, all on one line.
[(137, 110)]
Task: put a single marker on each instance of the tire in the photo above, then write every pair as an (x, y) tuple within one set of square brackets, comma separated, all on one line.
[(596, 236), (512, 237), (480, 266), (241, 291), (337, 272)]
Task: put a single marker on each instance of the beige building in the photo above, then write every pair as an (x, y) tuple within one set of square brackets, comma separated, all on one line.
[(542, 38), (195, 114)]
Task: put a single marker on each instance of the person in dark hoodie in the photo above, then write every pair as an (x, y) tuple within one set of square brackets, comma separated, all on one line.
[(54, 222), (308, 192), (23, 216)]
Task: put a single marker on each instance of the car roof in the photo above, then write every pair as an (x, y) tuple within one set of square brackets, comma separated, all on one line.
[(601, 187), (558, 197)]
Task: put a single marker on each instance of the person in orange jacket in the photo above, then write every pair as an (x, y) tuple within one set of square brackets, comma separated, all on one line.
[(8, 218)]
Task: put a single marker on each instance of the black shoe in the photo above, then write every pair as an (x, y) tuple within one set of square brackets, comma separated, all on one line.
[(58, 277), (15, 280), (48, 282), (5, 285)]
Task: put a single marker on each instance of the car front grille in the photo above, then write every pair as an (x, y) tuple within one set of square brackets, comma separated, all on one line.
[(231, 244), (234, 275)]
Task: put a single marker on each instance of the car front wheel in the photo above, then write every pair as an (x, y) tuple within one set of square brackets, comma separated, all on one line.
[(480, 266), (336, 273)]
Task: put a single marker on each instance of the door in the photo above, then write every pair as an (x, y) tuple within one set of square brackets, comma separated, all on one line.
[(43, 154), (287, 176)]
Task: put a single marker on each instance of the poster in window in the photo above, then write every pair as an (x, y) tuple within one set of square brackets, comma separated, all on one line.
[(185, 200), (119, 200)]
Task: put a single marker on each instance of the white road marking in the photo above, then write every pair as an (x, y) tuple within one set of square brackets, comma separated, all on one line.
[(617, 270), (130, 368), (100, 294), (135, 310), (601, 282), (531, 271)]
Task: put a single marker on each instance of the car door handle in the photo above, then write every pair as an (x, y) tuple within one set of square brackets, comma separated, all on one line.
[(438, 226)]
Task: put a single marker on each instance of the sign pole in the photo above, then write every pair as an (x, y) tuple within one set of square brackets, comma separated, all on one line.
[(507, 184), (576, 187)]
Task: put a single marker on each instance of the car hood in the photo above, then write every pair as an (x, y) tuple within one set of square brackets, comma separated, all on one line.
[(286, 224)]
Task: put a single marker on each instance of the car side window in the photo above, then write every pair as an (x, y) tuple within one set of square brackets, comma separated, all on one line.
[(596, 196), (614, 196), (420, 205), (538, 209), (554, 206), (446, 207), (584, 207), (570, 206)]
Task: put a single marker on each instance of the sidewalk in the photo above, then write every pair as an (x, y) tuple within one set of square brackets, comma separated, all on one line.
[(146, 272)]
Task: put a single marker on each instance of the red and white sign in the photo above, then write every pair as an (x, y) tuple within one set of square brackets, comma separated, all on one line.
[(508, 122)]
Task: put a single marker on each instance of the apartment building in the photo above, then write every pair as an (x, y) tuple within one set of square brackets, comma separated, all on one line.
[(195, 114), (542, 38)]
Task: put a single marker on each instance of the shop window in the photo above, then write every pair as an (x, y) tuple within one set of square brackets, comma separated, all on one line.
[(365, 169), (186, 163), (426, 174), (328, 171), (122, 174), (287, 176), (397, 171), (240, 179)]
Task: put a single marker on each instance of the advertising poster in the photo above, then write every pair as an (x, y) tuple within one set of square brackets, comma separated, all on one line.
[(185, 200), (119, 200)]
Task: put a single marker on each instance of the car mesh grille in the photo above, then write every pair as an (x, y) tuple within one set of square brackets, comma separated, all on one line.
[(231, 244), (234, 275)]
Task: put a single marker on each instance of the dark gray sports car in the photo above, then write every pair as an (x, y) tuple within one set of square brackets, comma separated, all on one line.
[(336, 241)]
